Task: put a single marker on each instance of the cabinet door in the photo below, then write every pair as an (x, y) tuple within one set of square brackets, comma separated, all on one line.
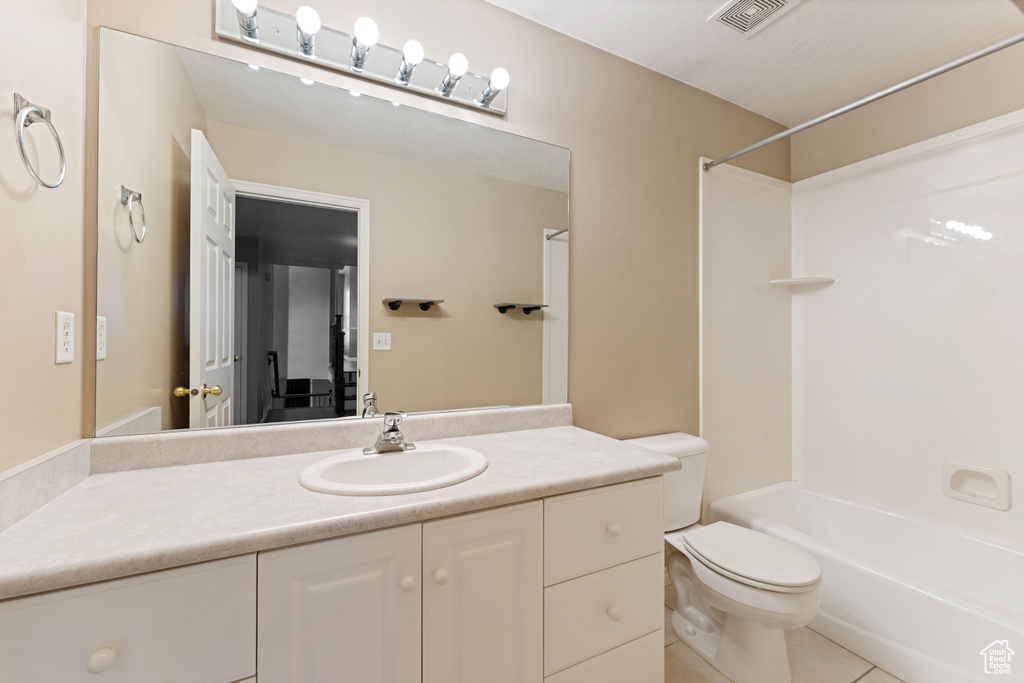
[(345, 609), (483, 596), (180, 625)]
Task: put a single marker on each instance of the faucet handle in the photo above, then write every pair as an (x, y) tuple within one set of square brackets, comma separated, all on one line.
[(393, 418)]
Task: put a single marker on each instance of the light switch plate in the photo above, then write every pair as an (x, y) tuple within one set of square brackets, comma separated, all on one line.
[(65, 337), (381, 341), (101, 337)]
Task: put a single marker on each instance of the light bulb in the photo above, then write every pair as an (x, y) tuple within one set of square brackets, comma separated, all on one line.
[(254, 67), (498, 82), (412, 53), (367, 32), (499, 79), (308, 20), (306, 81), (246, 8), (458, 65)]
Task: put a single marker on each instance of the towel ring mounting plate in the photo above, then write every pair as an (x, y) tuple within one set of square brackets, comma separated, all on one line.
[(129, 198), (27, 114)]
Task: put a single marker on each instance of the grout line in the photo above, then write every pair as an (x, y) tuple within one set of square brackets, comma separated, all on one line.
[(861, 677)]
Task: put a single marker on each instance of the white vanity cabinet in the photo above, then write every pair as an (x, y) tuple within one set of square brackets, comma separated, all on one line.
[(343, 609), (195, 623), (562, 590), (349, 608), (604, 588), (483, 596)]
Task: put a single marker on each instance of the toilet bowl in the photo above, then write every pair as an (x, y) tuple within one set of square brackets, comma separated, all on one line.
[(737, 590)]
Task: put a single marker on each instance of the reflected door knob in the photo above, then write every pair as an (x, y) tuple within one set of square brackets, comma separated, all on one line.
[(100, 660), (181, 392), (215, 390)]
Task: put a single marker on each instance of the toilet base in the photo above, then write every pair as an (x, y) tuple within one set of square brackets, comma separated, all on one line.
[(745, 652)]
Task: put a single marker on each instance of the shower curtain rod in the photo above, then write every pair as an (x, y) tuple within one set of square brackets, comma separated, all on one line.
[(984, 52)]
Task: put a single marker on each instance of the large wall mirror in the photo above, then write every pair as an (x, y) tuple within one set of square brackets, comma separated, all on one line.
[(251, 225)]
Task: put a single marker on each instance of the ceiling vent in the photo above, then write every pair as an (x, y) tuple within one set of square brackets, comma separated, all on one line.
[(750, 16)]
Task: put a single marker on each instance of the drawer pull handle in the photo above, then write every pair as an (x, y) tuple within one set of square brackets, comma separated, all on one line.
[(408, 583), (441, 576), (101, 660), (614, 613), (614, 530)]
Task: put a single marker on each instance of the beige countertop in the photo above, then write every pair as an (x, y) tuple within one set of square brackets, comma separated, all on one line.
[(124, 523)]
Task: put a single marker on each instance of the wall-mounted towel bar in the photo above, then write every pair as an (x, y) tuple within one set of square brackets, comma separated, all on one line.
[(26, 114), (130, 198)]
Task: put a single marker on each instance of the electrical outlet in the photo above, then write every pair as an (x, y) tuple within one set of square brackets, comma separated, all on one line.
[(101, 337), (381, 341), (65, 337)]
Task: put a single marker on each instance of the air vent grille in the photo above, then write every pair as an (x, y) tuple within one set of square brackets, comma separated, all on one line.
[(750, 16)]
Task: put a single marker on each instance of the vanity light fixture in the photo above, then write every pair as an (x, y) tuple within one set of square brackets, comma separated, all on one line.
[(458, 65), (365, 37), (307, 23), (498, 82), (301, 36), (247, 22), (412, 55)]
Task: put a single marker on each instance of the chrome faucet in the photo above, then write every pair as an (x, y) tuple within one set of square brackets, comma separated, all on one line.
[(370, 405), (391, 439)]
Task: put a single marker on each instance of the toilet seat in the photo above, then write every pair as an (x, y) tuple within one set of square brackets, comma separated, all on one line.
[(751, 558)]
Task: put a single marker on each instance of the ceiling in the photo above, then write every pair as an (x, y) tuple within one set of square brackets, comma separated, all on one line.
[(299, 234), (231, 92), (818, 56)]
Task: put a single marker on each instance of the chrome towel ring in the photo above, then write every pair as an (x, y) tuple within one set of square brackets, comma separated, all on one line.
[(130, 197), (27, 114)]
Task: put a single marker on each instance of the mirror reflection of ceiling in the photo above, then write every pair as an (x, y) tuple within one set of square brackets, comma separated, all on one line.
[(299, 234), (231, 92)]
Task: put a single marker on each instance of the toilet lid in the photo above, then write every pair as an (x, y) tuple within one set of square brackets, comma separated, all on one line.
[(752, 555)]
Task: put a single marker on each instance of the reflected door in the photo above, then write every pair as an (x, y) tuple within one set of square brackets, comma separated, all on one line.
[(211, 281)]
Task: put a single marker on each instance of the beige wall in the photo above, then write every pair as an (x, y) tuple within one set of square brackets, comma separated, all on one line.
[(635, 137), (41, 244), (147, 111), (976, 92), (435, 232)]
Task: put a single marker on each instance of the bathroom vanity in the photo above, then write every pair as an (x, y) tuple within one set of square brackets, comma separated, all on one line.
[(547, 566)]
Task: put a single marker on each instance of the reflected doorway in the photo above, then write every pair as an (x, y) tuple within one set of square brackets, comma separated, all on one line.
[(302, 257)]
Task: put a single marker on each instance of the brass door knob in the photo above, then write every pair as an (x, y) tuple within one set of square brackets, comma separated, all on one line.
[(181, 392), (215, 390)]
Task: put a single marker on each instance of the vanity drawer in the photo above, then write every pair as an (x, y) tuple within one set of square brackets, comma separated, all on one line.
[(594, 613), (591, 530), (196, 623), (638, 661)]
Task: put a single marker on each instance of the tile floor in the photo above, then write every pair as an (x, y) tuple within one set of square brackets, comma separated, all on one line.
[(812, 659)]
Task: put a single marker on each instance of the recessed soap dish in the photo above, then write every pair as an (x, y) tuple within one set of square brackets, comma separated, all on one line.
[(974, 484)]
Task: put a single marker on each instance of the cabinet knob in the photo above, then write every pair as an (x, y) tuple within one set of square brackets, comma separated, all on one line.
[(614, 613), (614, 530), (101, 660), (408, 583), (441, 577)]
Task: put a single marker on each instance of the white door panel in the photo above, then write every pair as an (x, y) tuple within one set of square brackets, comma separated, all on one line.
[(212, 266)]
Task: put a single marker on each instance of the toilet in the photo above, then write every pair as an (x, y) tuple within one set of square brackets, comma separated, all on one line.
[(738, 590)]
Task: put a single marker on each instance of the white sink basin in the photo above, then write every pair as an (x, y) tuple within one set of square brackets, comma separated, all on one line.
[(350, 473)]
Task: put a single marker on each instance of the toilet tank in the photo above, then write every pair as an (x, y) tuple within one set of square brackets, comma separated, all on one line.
[(683, 489)]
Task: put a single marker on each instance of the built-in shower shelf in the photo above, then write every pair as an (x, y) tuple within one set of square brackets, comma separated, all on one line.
[(527, 308), (794, 281), (424, 304)]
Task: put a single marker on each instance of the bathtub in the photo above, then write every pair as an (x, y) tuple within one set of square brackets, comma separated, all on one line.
[(918, 599)]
